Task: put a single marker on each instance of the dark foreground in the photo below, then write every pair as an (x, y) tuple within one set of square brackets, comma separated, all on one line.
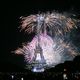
[(69, 70)]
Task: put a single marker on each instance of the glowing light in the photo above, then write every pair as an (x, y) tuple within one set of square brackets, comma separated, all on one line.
[(65, 76), (12, 76), (35, 69), (22, 78)]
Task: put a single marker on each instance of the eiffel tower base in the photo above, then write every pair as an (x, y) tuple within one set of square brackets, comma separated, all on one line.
[(37, 69)]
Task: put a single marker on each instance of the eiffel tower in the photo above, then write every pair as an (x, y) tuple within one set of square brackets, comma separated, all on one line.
[(39, 60), (39, 54)]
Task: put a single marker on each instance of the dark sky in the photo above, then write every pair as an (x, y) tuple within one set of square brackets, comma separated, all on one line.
[(12, 38)]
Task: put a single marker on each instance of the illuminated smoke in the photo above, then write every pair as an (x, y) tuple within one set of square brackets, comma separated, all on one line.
[(51, 40)]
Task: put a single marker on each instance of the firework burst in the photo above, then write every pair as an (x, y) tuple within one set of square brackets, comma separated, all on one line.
[(45, 50), (55, 22)]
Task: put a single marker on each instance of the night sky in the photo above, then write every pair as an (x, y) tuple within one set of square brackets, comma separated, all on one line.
[(12, 38)]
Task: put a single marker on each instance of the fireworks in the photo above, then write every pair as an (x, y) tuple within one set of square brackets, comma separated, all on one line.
[(51, 44), (55, 22)]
